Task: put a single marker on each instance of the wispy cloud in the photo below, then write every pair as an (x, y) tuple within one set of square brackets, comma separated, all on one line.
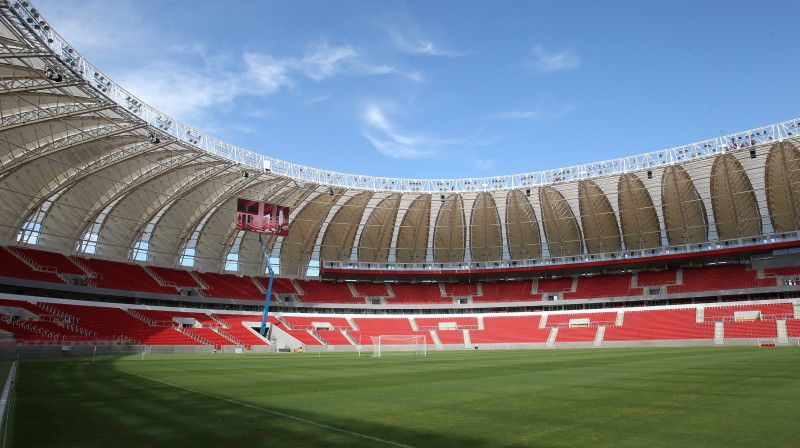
[(416, 44), (187, 90), (551, 62), (543, 111), (396, 143)]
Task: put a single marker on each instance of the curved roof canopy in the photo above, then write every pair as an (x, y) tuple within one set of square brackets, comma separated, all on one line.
[(85, 167)]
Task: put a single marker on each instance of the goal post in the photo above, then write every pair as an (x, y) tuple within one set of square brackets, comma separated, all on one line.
[(414, 343)]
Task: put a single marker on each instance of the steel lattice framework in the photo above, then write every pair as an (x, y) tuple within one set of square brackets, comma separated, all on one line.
[(86, 167)]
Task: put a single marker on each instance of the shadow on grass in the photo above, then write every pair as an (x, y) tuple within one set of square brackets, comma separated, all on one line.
[(80, 404)]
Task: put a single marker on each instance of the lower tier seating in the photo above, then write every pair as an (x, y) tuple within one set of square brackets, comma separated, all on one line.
[(26, 321)]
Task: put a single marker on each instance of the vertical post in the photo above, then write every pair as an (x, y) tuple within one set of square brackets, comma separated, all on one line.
[(269, 288)]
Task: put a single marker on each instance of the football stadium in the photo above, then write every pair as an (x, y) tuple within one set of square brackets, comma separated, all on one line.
[(162, 287)]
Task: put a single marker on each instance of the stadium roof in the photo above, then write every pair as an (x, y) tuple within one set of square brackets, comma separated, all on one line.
[(87, 167)]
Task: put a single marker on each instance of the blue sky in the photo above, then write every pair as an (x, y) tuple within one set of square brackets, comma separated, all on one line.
[(447, 89)]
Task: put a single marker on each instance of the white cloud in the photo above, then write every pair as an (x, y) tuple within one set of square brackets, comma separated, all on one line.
[(552, 62), (395, 143), (542, 112), (419, 45), (323, 61), (392, 143)]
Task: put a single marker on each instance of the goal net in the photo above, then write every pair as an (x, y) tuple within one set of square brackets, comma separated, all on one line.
[(410, 344)]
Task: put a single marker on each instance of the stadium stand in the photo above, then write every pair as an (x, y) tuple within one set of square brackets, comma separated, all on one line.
[(656, 278), (371, 289), (327, 292), (660, 325), (559, 284), (720, 277), (174, 277), (229, 286), (461, 289), (510, 329), (47, 261), (508, 291), (12, 266), (595, 319), (376, 326), (236, 330), (608, 285), (123, 276), (417, 293), (585, 334)]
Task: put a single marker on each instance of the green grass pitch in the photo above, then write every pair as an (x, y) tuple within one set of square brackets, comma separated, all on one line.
[(704, 396)]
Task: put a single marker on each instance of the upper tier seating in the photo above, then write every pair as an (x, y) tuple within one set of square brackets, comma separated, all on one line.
[(610, 285), (720, 277), (175, 277), (279, 285), (230, 286), (327, 292), (417, 293), (12, 266), (48, 261), (510, 291), (660, 324), (124, 276), (657, 278), (133, 277), (461, 289), (789, 271), (371, 289), (558, 284)]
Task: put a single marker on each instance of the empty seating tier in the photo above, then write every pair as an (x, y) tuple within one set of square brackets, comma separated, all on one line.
[(768, 311), (511, 291), (49, 261), (124, 276), (230, 286), (12, 266), (586, 334), (371, 289), (390, 326), (618, 285), (175, 277), (306, 322), (327, 292), (554, 284), (752, 329), (657, 278), (660, 325), (510, 329), (461, 289), (417, 293), (595, 319)]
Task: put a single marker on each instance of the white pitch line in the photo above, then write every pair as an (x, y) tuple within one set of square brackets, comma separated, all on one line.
[(273, 412)]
